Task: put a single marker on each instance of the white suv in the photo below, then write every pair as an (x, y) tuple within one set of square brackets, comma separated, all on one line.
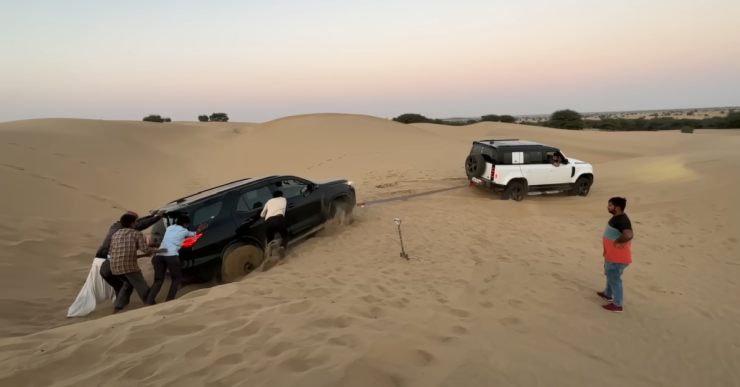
[(517, 168)]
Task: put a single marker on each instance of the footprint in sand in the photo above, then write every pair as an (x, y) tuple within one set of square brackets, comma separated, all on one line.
[(513, 323), (334, 322), (199, 351), (247, 329), (349, 341), (514, 303), (297, 307), (231, 359), (373, 312), (302, 363), (423, 358), (460, 330), (459, 313), (279, 348)]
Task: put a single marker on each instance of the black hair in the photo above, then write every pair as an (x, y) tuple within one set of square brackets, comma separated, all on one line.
[(618, 201), (182, 220), (563, 160), (128, 220), (277, 194)]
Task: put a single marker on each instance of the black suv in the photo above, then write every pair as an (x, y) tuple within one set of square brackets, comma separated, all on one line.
[(234, 242)]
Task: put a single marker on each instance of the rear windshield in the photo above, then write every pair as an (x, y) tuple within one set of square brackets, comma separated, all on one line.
[(202, 213), (489, 153)]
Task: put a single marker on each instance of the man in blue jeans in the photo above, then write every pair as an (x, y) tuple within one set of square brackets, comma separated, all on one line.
[(617, 253)]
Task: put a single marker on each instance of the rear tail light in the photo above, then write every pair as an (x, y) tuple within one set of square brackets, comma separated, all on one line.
[(189, 242), (493, 172)]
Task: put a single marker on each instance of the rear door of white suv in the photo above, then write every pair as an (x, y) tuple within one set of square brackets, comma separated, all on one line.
[(534, 169)]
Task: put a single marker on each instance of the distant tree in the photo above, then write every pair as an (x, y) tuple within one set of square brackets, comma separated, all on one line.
[(154, 118), (732, 120), (166, 119), (219, 117), (411, 118), (491, 118), (690, 113), (508, 119), (203, 118), (565, 119)]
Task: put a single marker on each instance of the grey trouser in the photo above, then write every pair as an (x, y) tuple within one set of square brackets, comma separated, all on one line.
[(131, 281)]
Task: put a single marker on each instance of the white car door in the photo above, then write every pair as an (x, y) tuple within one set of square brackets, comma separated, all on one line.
[(533, 169), (560, 174)]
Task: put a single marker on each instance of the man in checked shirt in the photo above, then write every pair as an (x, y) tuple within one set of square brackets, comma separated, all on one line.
[(124, 247)]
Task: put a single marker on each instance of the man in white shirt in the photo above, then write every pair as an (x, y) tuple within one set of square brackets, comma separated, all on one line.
[(168, 257), (274, 214)]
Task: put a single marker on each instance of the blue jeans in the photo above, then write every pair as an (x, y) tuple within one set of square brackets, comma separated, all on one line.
[(613, 272)]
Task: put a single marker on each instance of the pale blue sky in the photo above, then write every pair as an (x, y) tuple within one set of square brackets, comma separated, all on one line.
[(260, 60)]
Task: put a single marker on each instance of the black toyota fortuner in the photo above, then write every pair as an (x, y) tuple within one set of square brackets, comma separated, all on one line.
[(233, 244)]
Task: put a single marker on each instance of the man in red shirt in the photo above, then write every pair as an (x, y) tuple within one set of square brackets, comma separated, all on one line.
[(617, 253)]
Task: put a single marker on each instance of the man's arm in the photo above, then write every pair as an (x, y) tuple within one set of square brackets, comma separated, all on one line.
[(142, 246), (145, 222), (264, 209), (626, 236)]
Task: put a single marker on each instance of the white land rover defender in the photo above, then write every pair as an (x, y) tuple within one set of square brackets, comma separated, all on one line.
[(516, 168)]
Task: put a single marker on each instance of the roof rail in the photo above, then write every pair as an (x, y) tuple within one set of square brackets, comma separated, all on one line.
[(500, 140), (182, 199)]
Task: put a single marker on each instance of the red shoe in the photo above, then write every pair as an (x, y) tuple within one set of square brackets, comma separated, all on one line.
[(612, 307), (604, 296)]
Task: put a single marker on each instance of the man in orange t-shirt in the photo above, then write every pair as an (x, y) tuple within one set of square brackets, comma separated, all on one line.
[(617, 253)]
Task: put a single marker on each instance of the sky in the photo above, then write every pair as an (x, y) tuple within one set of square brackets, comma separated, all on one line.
[(262, 60)]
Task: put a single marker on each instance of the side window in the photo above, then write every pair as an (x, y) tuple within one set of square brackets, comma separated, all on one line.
[(291, 188), (204, 213), (507, 158), (517, 157), (253, 199), (533, 157)]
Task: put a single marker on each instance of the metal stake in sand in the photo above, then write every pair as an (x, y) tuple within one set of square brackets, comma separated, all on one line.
[(400, 237)]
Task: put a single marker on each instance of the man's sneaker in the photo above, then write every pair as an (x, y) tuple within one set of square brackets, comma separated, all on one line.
[(612, 307), (604, 296)]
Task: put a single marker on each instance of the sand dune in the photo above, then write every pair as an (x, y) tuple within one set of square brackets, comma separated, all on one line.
[(495, 293)]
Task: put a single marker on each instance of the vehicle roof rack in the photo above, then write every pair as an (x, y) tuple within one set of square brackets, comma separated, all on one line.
[(184, 198), (501, 140)]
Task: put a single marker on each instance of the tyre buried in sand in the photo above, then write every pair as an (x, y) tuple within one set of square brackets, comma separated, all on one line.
[(516, 190), (340, 214), (239, 261)]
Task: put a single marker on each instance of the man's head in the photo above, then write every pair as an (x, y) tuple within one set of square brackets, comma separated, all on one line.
[(616, 205), (557, 158), (277, 194), (183, 220), (128, 219)]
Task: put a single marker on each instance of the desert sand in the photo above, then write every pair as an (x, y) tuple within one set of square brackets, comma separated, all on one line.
[(496, 293)]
